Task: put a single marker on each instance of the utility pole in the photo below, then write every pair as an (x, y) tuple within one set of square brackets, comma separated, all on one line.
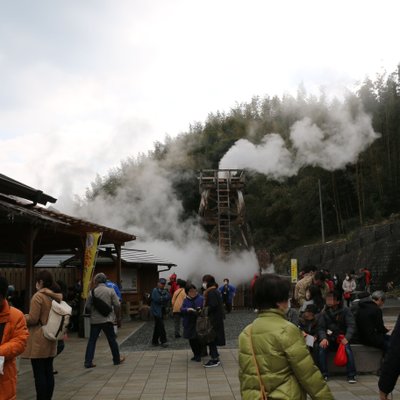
[(322, 215)]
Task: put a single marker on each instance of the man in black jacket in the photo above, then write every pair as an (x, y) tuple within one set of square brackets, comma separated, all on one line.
[(391, 366), (336, 326), (369, 319)]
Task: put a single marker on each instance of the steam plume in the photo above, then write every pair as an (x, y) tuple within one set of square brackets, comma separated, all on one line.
[(331, 146), (146, 205)]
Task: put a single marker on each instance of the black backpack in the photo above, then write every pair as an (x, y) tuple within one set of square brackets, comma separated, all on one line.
[(205, 331)]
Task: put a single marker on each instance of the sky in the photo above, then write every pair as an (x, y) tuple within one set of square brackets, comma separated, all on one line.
[(86, 84)]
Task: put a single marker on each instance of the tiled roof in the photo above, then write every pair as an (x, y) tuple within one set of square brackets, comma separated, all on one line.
[(136, 256)]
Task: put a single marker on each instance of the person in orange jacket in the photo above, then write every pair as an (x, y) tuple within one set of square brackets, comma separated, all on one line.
[(13, 338)]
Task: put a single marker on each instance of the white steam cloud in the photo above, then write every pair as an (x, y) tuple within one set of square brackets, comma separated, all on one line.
[(331, 146), (146, 205)]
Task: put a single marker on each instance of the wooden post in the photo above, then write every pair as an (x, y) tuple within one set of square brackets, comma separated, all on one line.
[(118, 263), (32, 233), (81, 311)]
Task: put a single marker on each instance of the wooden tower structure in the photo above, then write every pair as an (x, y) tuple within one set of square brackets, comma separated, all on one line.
[(222, 208)]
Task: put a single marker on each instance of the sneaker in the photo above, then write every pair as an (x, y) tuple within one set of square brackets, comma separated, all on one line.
[(177, 335), (90, 365), (196, 358), (164, 344), (212, 363), (352, 379)]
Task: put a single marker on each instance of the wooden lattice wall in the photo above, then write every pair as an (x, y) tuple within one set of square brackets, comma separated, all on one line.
[(16, 276)]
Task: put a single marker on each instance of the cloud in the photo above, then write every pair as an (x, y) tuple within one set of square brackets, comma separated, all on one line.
[(87, 84)]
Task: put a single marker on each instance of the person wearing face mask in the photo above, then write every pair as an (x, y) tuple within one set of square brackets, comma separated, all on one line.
[(191, 306), (348, 286), (273, 356), (213, 301), (336, 325), (228, 293), (40, 350)]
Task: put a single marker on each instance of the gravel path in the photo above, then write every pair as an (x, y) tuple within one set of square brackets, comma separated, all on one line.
[(141, 339)]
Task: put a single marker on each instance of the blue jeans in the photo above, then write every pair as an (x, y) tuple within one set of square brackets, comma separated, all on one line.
[(323, 364), (108, 329)]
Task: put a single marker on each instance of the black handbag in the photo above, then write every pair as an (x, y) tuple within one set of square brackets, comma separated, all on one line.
[(101, 306)]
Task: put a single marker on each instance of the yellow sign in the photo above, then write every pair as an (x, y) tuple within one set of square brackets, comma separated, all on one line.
[(293, 270), (92, 242)]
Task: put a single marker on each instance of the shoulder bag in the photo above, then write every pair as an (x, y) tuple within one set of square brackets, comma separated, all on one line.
[(263, 392), (101, 306)]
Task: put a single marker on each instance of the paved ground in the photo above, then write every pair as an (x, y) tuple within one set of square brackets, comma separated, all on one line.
[(141, 339), (155, 374)]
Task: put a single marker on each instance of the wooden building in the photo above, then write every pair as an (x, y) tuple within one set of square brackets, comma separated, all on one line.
[(28, 231), (139, 273)]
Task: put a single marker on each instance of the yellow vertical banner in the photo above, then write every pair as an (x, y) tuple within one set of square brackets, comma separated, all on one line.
[(93, 240), (293, 270)]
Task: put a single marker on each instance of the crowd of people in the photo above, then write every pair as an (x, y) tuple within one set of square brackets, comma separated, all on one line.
[(22, 335), (282, 354), (188, 304)]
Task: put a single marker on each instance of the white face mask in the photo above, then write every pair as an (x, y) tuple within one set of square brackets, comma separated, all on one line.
[(204, 285)]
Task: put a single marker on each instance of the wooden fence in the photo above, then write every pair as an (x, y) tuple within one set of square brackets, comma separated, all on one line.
[(16, 276)]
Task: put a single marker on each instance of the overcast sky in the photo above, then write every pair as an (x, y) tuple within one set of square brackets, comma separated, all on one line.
[(85, 84)]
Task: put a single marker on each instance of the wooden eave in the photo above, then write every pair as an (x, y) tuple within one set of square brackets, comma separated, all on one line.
[(55, 230)]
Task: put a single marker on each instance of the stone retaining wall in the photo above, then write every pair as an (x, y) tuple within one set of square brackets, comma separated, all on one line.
[(376, 247)]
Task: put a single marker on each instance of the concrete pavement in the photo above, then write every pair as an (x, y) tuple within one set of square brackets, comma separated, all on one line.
[(155, 375)]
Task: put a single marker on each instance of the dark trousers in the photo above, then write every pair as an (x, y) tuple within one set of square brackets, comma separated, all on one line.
[(386, 343), (108, 329), (159, 331), (177, 323), (195, 345), (44, 377), (323, 364), (228, 307), (213, 351)]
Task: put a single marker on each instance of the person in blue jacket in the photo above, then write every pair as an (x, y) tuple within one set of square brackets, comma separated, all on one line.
[(114, 286), (159, 301), (228, 293), (190, 309)]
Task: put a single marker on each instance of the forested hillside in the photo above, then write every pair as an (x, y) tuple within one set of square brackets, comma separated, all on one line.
[(285, 213)]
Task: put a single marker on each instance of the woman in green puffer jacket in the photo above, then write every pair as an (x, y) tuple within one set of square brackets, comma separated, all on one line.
[(286, 367)]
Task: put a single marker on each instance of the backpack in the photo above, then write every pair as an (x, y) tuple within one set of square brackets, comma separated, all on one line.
[(59, 316), (205, 331), (101, 306)]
